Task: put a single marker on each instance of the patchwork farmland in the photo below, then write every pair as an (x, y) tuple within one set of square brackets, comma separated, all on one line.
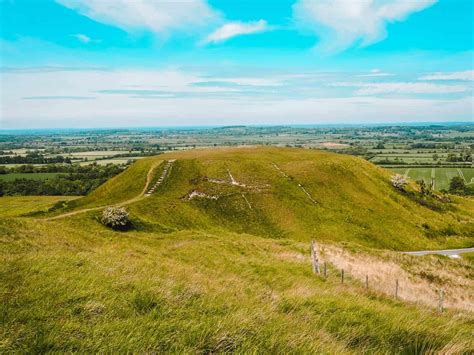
[(441, 176)]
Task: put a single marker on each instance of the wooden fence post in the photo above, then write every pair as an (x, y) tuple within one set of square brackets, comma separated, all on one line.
[(342, 276), (367, 282), (441, 301), (396, 289), (314, 258)]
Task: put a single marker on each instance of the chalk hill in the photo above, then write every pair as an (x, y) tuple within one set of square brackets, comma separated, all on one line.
[(284, 192)]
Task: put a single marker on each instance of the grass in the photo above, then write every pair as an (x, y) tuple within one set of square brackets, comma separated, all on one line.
[(32, 176), (356, 203), (206, 275), (69, 288), (124, 186), (442, 175), (14, 206), (468, 175), (109, 161)]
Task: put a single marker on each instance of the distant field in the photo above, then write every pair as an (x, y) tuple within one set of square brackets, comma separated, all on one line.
[(110, 161), (31, 176), (442, 176), (468, 175)]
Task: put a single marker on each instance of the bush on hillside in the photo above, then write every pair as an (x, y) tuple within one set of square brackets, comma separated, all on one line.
[(457, 186), (115, 218), (399, 182), (424, 188)]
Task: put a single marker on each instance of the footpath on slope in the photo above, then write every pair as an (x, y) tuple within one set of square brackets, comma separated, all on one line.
[(142, 194), (164, 175)]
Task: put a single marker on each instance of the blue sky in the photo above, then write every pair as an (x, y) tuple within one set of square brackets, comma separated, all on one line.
[(103, 63)]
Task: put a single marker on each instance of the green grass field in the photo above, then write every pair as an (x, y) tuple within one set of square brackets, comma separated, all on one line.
[(442, 175), (468, 175), (233, 274), (32, 176), (20, 205)]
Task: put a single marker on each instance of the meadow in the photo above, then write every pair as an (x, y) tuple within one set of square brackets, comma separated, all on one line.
[(441, 176)]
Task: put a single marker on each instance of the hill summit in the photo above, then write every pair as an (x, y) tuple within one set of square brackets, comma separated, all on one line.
[(284, 192)]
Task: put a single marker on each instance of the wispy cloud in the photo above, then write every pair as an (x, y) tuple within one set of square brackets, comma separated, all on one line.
[(467, 75), (342, 23), (403, 88), (375, 73), (58, 98), (234, 29), (154, 16), (173, 96), (82, 37)]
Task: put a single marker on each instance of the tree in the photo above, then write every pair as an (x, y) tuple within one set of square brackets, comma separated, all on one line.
[(435, 157), (452, 157), (115, 218), (423, 187), (457, 184), (399, 182)]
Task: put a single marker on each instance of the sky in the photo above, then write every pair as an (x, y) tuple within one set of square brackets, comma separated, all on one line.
[(139, 63)]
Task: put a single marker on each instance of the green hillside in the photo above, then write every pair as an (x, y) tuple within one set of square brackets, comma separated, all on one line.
[(341, 198), (219, 262)]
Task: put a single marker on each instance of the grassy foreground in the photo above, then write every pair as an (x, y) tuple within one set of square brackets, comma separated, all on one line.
[(69, 288), (205, 275)]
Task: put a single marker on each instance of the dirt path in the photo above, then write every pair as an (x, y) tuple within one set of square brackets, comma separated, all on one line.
[(446, 252), (384, 273), (142, 195)]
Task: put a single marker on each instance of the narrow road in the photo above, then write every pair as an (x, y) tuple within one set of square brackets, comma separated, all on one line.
[(149, 178), (446, 252)]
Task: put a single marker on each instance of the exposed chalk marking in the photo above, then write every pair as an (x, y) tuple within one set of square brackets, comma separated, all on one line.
[(166, 172), (299, 185), (248, 203), (281, 171), (407, 172), (197, 194), (462, 175), (433, 176), (308, 194)]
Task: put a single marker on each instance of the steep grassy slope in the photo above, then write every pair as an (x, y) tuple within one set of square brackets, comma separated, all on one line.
[(293, 193), (73, 285), (122, 187)]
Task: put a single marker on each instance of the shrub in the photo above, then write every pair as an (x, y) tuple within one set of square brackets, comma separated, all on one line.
[(115, 218), (424, 188), (399, 182)]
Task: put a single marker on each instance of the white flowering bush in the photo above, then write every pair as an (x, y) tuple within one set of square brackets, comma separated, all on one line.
[(115, 218), (399, 182)]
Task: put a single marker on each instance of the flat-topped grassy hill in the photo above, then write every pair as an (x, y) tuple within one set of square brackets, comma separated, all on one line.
[(283, 192)]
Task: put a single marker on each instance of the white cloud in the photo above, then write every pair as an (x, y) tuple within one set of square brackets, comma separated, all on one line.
[(375, 73), (467, 75), (158, 16), (234, 29), (82, 38), (404, 88), (341, 23), (97, 98)]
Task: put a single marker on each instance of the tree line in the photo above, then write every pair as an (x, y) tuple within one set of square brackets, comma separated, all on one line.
[(81, 181)]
